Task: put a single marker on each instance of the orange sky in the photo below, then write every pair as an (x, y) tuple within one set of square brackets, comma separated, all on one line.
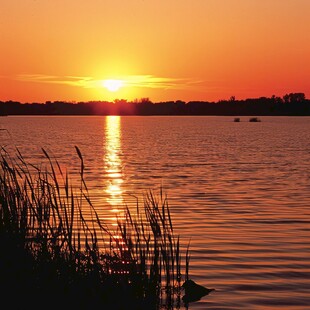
[(164, 49)]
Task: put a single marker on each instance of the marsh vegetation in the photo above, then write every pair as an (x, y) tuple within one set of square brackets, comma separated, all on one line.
[(52, 253)]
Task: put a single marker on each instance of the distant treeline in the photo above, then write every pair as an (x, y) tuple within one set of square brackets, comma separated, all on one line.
[(290, 104)]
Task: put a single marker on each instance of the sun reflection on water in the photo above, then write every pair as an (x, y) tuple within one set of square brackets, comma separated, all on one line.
[(113, 163)]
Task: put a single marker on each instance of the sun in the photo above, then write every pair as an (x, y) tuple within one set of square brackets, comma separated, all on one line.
[(113, 85)]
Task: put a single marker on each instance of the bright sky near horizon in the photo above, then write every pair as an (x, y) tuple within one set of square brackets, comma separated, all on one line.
[(164, 50)]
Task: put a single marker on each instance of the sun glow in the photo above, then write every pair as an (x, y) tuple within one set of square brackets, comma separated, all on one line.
[(113, 85)]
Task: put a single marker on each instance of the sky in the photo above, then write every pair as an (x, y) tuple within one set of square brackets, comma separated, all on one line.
[(164, 50)]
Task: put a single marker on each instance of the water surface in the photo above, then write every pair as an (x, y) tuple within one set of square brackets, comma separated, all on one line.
[(239, 191)]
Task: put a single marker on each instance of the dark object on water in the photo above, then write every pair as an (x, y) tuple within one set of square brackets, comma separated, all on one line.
[(237, 119), (194, 291), (254, 119)]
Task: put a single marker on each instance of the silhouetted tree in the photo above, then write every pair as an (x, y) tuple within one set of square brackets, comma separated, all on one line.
[(291, 104), (294, 97)]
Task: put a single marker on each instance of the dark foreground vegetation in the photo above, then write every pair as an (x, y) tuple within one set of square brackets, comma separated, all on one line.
[(290, 104), (56, 252)]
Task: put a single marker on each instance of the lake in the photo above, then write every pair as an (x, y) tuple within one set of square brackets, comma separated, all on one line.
[(239, 191)]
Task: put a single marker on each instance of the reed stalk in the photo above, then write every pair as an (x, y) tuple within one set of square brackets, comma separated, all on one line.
[(51, 248)]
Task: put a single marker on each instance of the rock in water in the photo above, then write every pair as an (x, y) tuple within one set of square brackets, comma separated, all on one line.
[(194, 291)]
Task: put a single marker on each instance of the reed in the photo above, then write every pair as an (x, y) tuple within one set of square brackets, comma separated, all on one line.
[(51, 251)]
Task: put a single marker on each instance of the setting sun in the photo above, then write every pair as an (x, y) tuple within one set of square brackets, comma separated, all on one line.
[(112, 85)]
